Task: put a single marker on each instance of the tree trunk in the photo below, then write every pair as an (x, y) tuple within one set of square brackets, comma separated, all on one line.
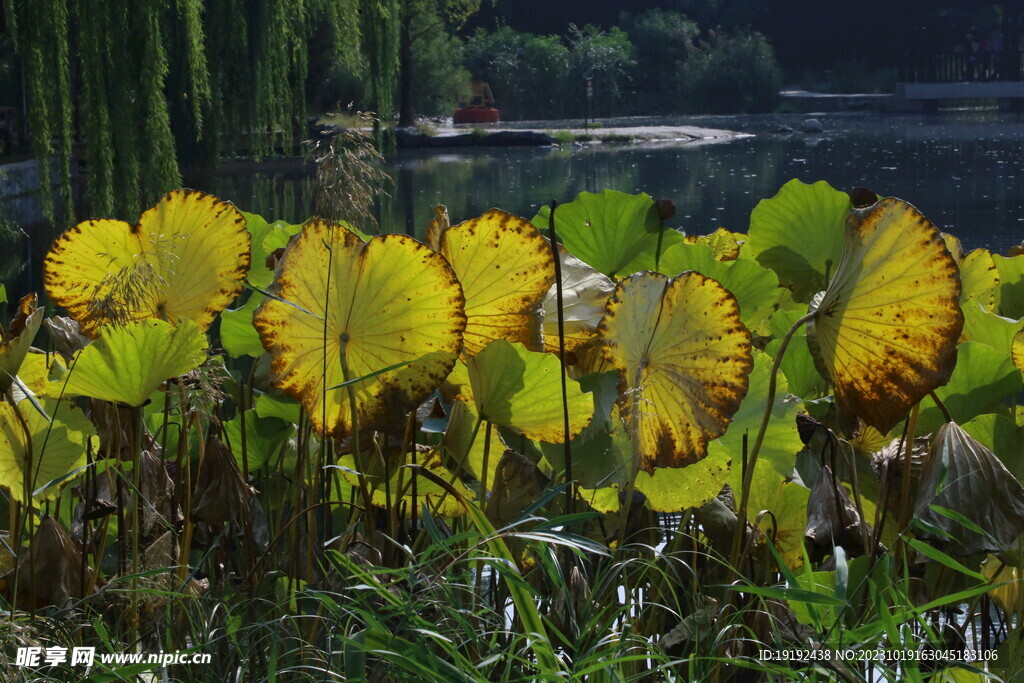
[(406, 113)]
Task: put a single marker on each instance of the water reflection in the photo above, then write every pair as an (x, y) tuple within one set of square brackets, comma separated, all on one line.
[(963, 170)]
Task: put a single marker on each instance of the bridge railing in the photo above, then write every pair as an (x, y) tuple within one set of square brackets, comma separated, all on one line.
[(951, 67)]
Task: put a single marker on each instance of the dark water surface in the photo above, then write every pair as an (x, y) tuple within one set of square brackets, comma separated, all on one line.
[(964, 170)]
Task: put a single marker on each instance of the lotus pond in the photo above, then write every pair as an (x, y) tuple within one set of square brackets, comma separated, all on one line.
[(576, 445)]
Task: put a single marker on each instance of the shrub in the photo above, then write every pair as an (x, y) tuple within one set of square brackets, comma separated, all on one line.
[(732, 74)]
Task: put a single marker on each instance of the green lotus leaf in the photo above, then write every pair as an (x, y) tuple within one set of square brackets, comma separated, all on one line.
[(1017, 350), (798, 364), (1010, 291), (981, 325), (56, 442), (982, 380), (17, 338), (798, 233), (608, 230), (127, 363), (281, 407), (265, 239), (979, 278), (756, 288), (522, 390), (602, 453), (264, 438), (237, 334)]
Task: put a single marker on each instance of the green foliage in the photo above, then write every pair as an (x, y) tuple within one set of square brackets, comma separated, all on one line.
[(439, 535), (732, 74)]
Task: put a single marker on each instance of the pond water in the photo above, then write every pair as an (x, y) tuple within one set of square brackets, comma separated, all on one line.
[(964, 170)]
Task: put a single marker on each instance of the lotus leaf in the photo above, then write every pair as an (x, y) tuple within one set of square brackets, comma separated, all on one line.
[(798, 364), (437, 225), (979, 277), (610, 230), (885, 330), (263, 440), (683, 356), (56, 443), (602, 453), (798, 233), (505, 268), (1010, 291), (1017, 350), (127, 363), (186, 258), (237, 334), (265, 239), (756, 288), (964, 476), (982, 325), (522, 390), (724, 245), (584, 294), (17, 338), (981, 382), (388, 312)]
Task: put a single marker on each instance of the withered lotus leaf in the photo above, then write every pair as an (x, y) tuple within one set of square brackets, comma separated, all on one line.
[(17, 338), (388, 313), (584, 294), (506, 268), (683, 357), (885, 331), (186, 258), (962, 475)]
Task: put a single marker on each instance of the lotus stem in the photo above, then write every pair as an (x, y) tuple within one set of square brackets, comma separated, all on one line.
[(570, 489)]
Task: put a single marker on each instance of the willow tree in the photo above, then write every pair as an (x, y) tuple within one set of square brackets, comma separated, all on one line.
[(155, 81)]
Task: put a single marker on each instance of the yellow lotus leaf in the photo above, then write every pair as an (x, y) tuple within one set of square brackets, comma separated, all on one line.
[(54, 446), (684, 358), (506, 269), (725, 245), (979, 278), (186, 258), (388, 313), (17, 338), (885, 331), (584, 294), (127, 363), (956, 250), (1017, 350)]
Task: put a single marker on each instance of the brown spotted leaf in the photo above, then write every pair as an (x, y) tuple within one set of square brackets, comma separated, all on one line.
[(684, 358), (186, 258), (885, 331), (17, 338), (506, 269), (387, 312)]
